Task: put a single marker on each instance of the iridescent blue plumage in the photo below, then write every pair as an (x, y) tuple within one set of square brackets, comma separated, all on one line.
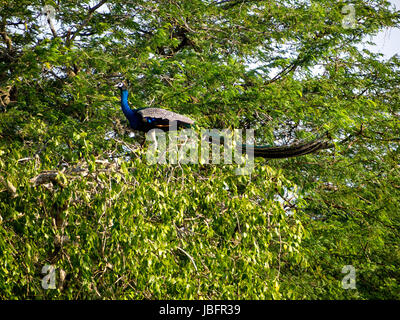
[(128, 112), (145, 119)]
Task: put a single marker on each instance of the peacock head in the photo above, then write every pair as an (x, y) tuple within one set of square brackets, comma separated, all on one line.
[(122, 86)]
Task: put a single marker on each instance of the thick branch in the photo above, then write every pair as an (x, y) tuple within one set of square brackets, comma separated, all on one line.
[(5, 36)]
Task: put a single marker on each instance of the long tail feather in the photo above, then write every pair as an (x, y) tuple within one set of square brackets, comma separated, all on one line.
[(271, 152), (295, 150)]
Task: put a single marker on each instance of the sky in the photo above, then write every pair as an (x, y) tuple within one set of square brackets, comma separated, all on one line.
[(387, 41)]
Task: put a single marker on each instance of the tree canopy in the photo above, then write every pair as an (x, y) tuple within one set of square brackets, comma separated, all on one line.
[(77, 193)]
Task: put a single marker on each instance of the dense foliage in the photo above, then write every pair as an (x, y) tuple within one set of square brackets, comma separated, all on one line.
[(76, 191)]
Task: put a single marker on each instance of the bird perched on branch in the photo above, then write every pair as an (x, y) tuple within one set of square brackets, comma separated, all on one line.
[(146, 119)]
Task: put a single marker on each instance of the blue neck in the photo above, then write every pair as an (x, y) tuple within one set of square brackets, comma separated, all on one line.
[(128, 112), (124, 104)]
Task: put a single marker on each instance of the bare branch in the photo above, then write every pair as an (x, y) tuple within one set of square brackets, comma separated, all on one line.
[(51, 25), (189, 256)]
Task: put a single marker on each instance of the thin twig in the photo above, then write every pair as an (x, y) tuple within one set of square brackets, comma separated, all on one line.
[(189, 256)]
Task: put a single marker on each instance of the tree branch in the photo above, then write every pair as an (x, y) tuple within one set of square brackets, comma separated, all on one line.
[(5, 36), (51, 25), (86, 22)]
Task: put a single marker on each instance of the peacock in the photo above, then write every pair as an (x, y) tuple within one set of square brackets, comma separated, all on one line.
[(146, 119)]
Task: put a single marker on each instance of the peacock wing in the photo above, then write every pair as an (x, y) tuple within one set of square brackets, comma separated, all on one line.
[(162, 114)]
